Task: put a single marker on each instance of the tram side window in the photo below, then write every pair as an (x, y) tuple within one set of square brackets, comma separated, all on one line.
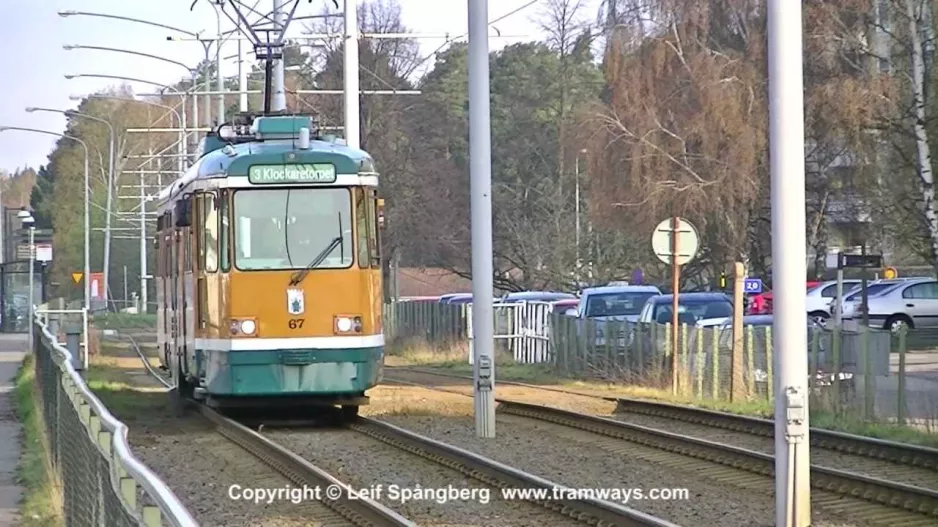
[(224, 244), (374, 248), (361, 225), (187, 238), (209, 249)]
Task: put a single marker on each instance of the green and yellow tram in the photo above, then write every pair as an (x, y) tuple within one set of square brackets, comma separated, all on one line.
[(269, 273)]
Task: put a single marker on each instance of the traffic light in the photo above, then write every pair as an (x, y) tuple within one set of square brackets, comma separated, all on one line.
[(722, 280)]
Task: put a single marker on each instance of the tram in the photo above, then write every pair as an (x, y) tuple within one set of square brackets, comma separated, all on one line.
[(269, 277)]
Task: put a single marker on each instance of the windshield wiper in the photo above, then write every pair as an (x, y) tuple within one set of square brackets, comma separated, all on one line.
[(298, 276)]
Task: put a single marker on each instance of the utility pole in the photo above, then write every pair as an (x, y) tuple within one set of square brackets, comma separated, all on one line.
[(786, 145), (350, 76), (279, 101), (219, 80), (242, 75), (480, 176), (143, 236)]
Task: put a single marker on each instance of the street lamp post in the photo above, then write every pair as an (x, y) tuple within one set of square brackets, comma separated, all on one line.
[(184, 94), (110, 188), (87, 201), (193, 73), (180, 117), (27, 219)]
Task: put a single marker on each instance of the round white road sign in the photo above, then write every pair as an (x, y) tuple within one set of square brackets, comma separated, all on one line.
[(687, 241)]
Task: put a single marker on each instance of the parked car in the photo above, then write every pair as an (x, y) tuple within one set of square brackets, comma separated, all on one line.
[(759, 356), (535, 296), (818, 299), (912, 304), (622, 302), (854, 297), (693, 308), (567, 306)]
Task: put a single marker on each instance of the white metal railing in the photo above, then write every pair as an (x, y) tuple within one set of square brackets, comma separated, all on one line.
[(43, 315), (523, 326), (63, 387)]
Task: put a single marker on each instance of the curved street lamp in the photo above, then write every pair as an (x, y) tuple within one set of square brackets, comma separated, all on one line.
[(87, 201), (184, 94), (71, 12), (192, 71), (110, 184)]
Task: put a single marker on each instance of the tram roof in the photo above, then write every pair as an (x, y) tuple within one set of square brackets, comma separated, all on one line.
[(236, 159)]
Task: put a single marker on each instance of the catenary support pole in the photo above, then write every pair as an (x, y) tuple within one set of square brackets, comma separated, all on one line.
[(789, 269), (109, 212), (350, 76), (219, 79), (279, 101), (480, 174), (242, 75), (143, 239)]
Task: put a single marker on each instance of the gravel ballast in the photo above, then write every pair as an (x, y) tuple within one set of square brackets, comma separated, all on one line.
[(575, 459), (924, 477), (201, 467), (364, 463)]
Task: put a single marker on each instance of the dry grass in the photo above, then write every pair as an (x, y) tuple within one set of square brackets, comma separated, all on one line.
[(389, 400), (41, 504)]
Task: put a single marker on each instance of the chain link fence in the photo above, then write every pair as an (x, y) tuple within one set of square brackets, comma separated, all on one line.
[(102, 482), (868, 373)]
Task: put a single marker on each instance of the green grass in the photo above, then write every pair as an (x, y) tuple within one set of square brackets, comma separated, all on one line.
[(452, 360), (124, 321), (41, 504), (126, 402), (856, 425)]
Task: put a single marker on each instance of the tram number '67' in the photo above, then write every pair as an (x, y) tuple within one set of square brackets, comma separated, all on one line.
[(296, 323)]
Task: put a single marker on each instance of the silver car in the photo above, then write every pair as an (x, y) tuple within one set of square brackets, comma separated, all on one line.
[(913, 304), (852, 298)]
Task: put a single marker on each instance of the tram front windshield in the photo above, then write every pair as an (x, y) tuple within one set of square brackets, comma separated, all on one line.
[(289, 228)]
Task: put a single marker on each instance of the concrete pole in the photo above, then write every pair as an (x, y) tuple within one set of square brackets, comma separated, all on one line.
[(350, 76), (87, 232), (32, 271), (143, 237), (786, 136), (279, 100), (480, 174), (242, 75), (219, 80), (107, 216)]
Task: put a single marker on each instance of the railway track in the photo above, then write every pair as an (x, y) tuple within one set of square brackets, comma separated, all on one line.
[(501, 476), (879, 498), (360, 511)]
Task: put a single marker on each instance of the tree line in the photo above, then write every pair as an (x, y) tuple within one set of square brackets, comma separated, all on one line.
[(647, 109)]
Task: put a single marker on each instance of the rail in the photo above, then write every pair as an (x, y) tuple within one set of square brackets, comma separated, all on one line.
[(588, 510), (87, 462)]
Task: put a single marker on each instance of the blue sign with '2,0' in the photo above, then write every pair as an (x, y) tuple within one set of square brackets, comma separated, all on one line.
[(752, 285)]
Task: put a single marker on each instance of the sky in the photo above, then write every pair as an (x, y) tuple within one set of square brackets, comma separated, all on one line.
[(36, 76)]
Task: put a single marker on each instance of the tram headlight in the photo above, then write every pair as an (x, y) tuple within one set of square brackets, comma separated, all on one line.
[(348, 324), (243, 327)]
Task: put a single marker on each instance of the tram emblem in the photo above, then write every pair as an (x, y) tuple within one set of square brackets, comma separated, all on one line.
[(295, 303)]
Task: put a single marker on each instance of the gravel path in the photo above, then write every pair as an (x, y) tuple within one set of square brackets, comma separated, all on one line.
[(364, 462), (922, 477)]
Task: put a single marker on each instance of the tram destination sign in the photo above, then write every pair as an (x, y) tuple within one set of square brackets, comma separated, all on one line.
[(294, 173)]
